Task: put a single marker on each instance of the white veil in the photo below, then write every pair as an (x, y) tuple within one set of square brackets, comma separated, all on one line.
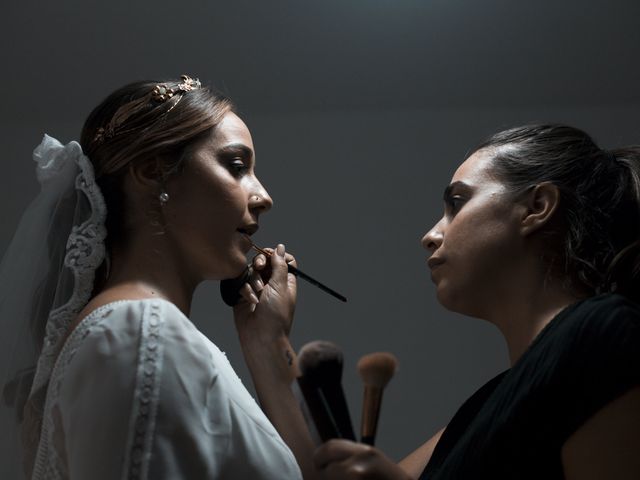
[(46, 278)]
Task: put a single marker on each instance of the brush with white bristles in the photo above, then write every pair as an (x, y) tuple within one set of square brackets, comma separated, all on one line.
[(376, 369)]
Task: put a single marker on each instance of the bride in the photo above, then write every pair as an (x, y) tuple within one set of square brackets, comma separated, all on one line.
[(159, 195)]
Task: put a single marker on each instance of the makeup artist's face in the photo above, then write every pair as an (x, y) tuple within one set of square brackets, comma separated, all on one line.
[(214, 200), (475, 241)]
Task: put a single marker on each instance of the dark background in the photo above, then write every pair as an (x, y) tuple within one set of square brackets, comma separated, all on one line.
[(360, 111)]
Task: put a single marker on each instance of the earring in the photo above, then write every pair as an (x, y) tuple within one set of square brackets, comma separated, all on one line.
[(164, 198)]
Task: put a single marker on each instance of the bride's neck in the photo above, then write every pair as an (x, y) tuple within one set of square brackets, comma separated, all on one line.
[(144, 271)]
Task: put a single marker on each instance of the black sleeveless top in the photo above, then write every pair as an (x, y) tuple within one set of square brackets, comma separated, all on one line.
[(515, 425)]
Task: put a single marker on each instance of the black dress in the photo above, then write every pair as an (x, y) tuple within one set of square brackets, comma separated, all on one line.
[(515, 425)]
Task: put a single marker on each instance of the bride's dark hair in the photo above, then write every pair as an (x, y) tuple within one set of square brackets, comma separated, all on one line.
[(598, 244)]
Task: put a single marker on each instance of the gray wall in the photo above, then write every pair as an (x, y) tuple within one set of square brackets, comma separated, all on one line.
[(360, 112)]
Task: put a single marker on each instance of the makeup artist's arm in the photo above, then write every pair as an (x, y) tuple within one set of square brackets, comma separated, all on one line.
[(264, 336), (415, 463), (607, 445)]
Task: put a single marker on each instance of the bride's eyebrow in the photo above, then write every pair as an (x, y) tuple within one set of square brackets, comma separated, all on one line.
[(239, 149)]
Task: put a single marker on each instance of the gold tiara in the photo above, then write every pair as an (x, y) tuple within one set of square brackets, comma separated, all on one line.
[(162, 92), (159, 94)]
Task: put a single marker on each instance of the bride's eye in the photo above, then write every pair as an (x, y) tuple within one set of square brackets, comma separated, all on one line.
[(237, 158), (238, 166)]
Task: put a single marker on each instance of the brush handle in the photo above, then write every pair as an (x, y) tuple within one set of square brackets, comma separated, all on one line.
[(328, 407), (300, 274), (368, 440), (230, 288), (370, 413)]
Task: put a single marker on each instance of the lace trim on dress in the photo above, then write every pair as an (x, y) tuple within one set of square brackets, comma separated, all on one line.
[(49, 465), (146, 396)]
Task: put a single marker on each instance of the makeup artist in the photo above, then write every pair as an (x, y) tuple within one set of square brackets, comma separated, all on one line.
[(540, 236), (159, 195)]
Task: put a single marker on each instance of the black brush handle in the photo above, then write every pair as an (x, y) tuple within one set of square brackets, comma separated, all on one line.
[(230, 288)]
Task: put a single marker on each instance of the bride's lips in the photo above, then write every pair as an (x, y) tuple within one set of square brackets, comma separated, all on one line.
[(246, 232), (249, 229), (245, 242)]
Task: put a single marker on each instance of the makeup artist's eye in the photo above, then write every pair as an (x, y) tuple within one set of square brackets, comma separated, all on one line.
[(454, 203)]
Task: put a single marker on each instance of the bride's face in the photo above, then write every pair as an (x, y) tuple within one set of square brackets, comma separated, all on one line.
[(214, 200)]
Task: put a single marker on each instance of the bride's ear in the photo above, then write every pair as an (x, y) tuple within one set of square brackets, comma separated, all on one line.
[(540, 204), (147, 175)]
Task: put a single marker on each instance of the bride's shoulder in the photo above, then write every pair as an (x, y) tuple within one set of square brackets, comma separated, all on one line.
[(119, 320), (116, 330)]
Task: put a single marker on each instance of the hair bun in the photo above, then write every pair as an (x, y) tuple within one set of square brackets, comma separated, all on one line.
[(623, 275)]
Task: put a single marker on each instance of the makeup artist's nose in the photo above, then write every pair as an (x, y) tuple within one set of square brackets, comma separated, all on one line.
[(433, 238)]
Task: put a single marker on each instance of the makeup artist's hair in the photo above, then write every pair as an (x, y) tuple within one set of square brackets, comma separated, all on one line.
[(156, 131), (597, 246)]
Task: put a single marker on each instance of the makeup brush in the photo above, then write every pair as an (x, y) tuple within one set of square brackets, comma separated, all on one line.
[(375, 369), (300, 274), (320, 365), (229, 289)]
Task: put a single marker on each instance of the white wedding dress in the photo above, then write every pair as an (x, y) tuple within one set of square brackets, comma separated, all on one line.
[(138, 392)]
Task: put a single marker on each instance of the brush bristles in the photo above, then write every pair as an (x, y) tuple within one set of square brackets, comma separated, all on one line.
[(376, 369), (321, 361)]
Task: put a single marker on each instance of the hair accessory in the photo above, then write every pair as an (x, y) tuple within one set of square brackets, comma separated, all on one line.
[(188, 83), (160, 93)]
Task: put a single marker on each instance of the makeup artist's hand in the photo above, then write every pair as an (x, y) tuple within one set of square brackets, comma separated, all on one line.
[(269, 298), (345, 460)]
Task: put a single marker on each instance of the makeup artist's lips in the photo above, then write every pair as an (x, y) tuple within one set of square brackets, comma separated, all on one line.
[(434, 262)]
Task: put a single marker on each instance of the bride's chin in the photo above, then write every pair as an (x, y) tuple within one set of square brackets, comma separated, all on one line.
[(237, 268), (232, 268)]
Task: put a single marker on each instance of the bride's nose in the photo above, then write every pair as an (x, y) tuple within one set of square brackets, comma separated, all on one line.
[(259, 199)]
